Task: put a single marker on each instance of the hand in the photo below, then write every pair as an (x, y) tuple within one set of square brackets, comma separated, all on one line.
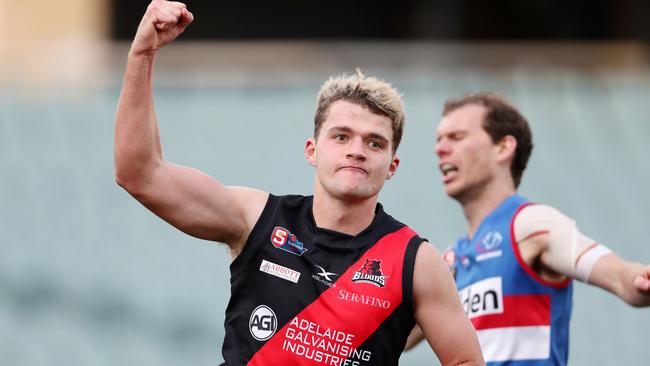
[(161, 24), (642, 280)]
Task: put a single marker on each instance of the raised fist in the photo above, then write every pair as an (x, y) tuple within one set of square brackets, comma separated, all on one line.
[(162, 23)]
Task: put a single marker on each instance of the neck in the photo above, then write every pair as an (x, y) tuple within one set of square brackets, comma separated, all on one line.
[(349, 217), (478, 205)]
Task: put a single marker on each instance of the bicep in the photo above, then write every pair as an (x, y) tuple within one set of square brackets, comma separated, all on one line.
[(199, 205), (439, 313)]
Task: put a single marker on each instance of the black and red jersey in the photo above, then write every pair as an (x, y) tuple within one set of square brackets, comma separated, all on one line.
[(302, 295)]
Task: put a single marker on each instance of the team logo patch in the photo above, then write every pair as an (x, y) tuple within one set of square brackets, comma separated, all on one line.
[(324, 277), (491, 241), (281, 238), (370, 272), (263, 323), (279, 271), (489, 246)]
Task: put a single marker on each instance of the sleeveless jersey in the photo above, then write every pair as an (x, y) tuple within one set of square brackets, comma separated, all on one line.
[(302, 295), (520, 318)]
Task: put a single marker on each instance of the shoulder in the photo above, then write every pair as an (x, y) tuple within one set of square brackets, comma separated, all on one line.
[(251, 200), (269, 199), (536, 210), (292, 200), (431, 274), (428, 260), (390, 223), (428, 250), (294, 208), (535, 218)]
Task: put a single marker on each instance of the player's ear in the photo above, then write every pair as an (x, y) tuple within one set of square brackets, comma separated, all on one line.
[(506, 148), (310, 151), (392, 169)]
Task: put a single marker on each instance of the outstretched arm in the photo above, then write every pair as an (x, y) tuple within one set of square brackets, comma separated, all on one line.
[(545, 233), (439, 313), (190, 200)]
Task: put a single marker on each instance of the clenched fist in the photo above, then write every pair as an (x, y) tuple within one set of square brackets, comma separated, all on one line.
[(162, 23)]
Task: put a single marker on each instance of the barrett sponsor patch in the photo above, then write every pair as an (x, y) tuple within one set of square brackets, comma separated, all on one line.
[(279, 271), (281, 238)]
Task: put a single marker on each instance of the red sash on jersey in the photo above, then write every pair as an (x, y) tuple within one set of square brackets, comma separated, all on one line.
[(329, 330)]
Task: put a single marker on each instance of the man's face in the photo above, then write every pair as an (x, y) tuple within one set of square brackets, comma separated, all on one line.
[(467, 155), (352, 152)]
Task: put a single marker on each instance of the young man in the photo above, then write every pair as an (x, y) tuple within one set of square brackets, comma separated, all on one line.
[(329, 279), (514, 268)]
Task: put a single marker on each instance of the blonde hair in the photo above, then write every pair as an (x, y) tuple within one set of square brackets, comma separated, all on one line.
[(367, 91)]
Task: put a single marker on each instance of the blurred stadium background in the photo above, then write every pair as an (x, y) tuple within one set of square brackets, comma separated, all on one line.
[(89, 277)]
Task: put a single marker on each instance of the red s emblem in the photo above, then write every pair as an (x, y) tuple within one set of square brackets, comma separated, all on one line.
[(279, 237)]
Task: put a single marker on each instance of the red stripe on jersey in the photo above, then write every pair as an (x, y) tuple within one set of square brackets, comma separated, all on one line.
[(333, 326), (531, 272), (518, 311)]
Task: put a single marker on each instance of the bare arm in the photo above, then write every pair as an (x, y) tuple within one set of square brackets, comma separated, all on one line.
[(551, 238), (439, 313), (188, 199), (414, 338), (627, 280)]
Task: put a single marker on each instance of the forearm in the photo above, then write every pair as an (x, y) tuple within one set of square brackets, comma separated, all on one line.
[(137, 142), (619, 276)]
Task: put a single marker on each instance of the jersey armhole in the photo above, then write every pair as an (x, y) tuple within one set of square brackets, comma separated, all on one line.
[(520, 259), (408, 270), (262, 224)]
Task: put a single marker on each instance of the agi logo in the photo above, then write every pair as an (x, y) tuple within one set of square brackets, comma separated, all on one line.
[(263, 323), (281, 238), (370, 272)]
